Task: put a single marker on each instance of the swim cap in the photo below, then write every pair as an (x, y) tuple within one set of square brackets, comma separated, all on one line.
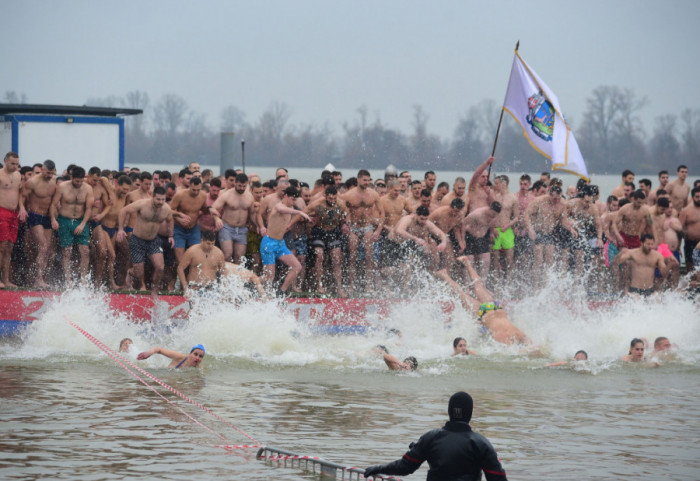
[(200, 347), (460, 407)]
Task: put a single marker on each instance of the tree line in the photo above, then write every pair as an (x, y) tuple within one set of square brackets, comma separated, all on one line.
[(611, 136)]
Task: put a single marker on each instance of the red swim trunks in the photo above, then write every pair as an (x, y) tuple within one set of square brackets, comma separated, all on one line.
[(631, 241), (9, 223)]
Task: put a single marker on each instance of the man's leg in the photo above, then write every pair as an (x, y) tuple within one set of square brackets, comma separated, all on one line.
[(482, 294), (336, 259), (65, 263), (84, 265), (227, 249), (294, 268), (43, 242), (353, 243), (468, 302), (318, 269), (238, 252), (158, 267)]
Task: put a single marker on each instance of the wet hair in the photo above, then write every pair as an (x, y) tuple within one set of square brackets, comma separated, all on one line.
[(121, 343), (196, 181), (503, 178), (663, 202), (208, 235), (416, 182), (457, 204), (291, 192), (124, 179), (594, 189), (229, 173), (422, 211), (456, 341), (663, 172), (241, 178), (336, 172), (294, 183), (646, 182), (184, 172), (639, 194), (216, 182), (611, 199), (646, 236), (77, 173), (630, 184), (411, 361), (580, 184), (538, 185), (134, 176), (587, 190), (351, 182), (634, 342), (555, 189), (428, 173), (94, 170), (268, 185), (256, 185), (363, 173), (659, 340), (331, 190), (626, 172), (158, 191), (145, 176), (660, 192), (460, 180), (581, 352), (25, 169), (169, 185), (525, 177), (165, 175), (546, 174), (681, 167), (495, 206), (443, 184), (426, 193)]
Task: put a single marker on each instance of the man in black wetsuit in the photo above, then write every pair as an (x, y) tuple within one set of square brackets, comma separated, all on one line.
[(454, 453)]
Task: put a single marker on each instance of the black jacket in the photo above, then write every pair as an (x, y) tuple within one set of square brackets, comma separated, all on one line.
[(454, 453)]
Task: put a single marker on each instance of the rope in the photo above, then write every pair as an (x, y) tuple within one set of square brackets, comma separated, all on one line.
[(121, 361)]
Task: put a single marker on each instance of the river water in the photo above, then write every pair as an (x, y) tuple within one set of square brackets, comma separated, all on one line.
[(70, 412)]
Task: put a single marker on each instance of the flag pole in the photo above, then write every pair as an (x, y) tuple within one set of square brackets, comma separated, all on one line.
[(498, 129)]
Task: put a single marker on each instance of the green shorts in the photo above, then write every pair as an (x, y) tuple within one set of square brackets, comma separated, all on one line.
[(254, 239), (505, 240), (66, 237)]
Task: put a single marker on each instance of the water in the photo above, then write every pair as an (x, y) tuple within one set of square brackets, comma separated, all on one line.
[(70, 412)]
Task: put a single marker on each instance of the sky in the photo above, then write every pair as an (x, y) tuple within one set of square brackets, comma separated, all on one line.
[(326, 58)]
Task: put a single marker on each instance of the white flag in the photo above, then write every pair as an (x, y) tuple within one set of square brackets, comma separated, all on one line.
[(535, 107)]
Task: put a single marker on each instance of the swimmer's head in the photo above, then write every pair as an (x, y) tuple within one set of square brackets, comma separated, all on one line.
[(200, 347), (460, 407), (124, 344), (412, 362), (581, 356)]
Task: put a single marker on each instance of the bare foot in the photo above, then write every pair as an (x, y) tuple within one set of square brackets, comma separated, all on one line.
[(9, 284), (40, 284), (2, 286), (321, 290), (115, 287), (295, 289)]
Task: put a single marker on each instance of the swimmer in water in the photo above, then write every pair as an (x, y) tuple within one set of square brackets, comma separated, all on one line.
[(393, 363), (663, 349), (125, 344), (579, 356), (178, 359), (636, 353), (460, 347)]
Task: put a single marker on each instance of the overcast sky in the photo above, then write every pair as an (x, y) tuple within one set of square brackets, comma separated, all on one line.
[(326, 58)]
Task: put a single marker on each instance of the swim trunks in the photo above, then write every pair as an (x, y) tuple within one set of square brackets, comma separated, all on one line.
[(141, 248), (66, 229), (505, 240), (545, 238), (611, 251), (300, 245), (696, 258), (272, 249), (361, 231), (110, 230), (390, 250), (34, 219), (642, 292), (688, 251), (9, 225), (326, 239), (239, 235), (477, 246), (488, 307), (185, 238), (630, 241)]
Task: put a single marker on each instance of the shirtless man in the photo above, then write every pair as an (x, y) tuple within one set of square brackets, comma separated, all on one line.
[(36, 196), (393, 363), (442, 190), (541, 217), (394, 206), (479, 192), (490, 314), (237, 209), (71, 208), (458, 192), (645, 186), (329, 216), (273, 246), (643, 261), (144, 241), (144, 188), (690, 222), (426, 200), (587, 232), (627, 178), (504, 242), (631, 221), (100, 243), (361, 202), (187, 205), (663, 183), (666, 229), (523, 244), (206, 221), (253, 237), (268, 203), (414, 232), (11, 213), (205, 262), (110, 225), (413, 200), (679, 189), (477, 231), (448, 219)]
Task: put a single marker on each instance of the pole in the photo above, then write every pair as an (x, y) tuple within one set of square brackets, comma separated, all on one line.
[(498, 129), (243, 155)]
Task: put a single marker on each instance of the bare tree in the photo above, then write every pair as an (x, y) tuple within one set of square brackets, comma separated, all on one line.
[(136, 99), (170, 113), (12, 97), (691, 138), (664, 146), (109, 102)]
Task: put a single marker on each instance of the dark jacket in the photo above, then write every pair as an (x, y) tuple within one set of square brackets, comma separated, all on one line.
[(454, 453)]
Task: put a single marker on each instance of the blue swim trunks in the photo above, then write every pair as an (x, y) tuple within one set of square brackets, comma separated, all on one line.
[(185, 238), (272, 249)]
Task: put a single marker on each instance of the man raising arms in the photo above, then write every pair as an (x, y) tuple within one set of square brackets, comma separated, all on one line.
[(479, 191)]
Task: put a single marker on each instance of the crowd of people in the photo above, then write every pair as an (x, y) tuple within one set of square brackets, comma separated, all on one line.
[(158, 231)]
